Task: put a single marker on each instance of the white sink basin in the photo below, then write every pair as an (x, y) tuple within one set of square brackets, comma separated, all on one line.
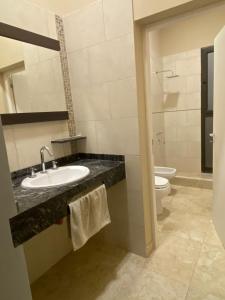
[(60, 176)]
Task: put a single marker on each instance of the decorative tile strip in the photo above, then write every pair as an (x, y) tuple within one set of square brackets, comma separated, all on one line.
[(66, 77)]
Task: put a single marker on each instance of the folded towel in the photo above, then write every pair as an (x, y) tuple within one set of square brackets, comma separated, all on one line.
[(88, 215)]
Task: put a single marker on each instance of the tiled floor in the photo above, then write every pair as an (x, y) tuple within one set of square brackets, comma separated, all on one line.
[(188, 264)]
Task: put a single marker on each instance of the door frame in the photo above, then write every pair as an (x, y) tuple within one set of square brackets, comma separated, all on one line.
[(204, 110)]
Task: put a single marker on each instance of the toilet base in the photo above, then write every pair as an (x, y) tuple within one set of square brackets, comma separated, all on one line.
[(160, 194)]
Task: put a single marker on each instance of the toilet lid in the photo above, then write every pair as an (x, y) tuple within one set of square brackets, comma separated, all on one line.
[(161, 182)]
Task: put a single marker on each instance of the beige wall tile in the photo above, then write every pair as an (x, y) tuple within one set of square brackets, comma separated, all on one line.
[(194, 150), (87, 129), (133, 172), (46, 249), (126, 211), (104, 96), (158, 139), (80, 101), (84, 27), (171, 134), (112, 60), (193, 53), (99, 102), (118, 17), (193, 84), (190, 165), (92, 103), (118, 136), (78, 64), (125, 205), (193, 101), (193, 66), (36, 20), (193, 118), (100, 63), (30, 139), (170, 119), (175, 85), (123, 98), (194, 133), (182, 112)]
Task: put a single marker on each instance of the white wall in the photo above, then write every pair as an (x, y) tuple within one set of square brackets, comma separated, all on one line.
[(219, 144), (14, 280), (144, 8), (149, 8), (61, 7), (100, 47), (200, 30)]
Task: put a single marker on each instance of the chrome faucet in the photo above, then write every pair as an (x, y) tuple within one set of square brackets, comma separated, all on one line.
[(43, 149)]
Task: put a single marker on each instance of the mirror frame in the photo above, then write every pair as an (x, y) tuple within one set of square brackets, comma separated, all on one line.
[(29, 37)]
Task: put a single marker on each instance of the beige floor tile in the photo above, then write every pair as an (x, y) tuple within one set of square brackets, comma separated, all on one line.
[(189, 263), (208, 281), (185, 225), (91, 273), (176, 258), (200, 204), (155, 286)]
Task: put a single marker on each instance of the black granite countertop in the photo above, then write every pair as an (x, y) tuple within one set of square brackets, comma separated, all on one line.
[(40, 208)]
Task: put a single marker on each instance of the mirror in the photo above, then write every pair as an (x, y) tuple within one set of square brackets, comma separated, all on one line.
[(31, 78)]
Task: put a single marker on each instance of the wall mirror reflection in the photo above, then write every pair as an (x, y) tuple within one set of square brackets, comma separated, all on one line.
[(30, 78)]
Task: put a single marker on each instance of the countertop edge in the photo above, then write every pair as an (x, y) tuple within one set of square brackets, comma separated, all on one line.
[(29, 223)]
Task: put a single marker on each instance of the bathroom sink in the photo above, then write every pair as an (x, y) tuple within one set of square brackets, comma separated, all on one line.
[(60, 176)]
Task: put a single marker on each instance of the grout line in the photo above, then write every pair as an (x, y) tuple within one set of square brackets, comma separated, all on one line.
[(91, 84), (177, 110), (194, 269), (101, 42)]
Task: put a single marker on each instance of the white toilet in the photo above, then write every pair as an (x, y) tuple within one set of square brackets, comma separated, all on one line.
[(162, 189), (165, 172)]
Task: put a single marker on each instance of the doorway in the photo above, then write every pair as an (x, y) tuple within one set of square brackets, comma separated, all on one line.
[(207, 81)]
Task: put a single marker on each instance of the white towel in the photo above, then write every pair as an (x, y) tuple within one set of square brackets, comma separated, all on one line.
[(88, 215)]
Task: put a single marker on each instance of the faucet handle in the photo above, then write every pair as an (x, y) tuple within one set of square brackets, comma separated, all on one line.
[(32, 172), (54, 165)]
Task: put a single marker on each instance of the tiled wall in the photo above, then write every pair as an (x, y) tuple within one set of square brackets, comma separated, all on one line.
[(157, 94), (182, 112), (180, 117), (24, 141), (100, 46)]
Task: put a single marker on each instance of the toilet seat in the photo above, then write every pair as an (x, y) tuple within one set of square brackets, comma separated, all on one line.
[(161, 183)]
